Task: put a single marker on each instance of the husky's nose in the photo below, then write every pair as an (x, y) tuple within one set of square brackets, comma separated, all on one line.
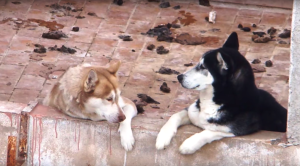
[(180, 78), (121, 118)]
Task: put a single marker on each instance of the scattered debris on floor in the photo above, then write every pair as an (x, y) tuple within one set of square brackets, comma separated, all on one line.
[(139, 105), (261, 39), (91, 14), (155, 106), (176, 7), (75, 29), (203, 31), (153, 0), (8, 84), (269, 63), (125, 37), (16, 2), (285, 34), (63, 49), (215, 30), (37, 57), (80, 17), (212, 17), (254, 25), (133, 50), (188, 64), (39, 49), (160, 30), (187, 39), (164, 88), (246, 29), (271, 31), (118, 2), (150, 46), (176, 26), (63, 10), (258, 68), (204, 2), (240, 26), (161, 50), (282, 42), (49, 65), (260, 34), (165, 70), (186, 19), (54, 35), (164, 5), (255, 61), (45, 73), (147, 99)]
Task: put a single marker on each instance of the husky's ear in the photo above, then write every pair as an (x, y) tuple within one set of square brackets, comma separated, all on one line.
[(232, 41), (222, 63), (90, 82), (114, 67)]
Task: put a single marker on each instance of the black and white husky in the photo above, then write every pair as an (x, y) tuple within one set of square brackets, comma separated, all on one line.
[(229, 104)]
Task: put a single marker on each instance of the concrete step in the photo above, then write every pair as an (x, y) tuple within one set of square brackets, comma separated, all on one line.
[(284, 4), (54, 139)]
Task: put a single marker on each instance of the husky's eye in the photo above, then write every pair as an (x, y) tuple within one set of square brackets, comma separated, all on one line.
[(200, 67), (109, 99)]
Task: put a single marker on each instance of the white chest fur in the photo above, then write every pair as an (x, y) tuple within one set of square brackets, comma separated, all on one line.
[(208, 109)]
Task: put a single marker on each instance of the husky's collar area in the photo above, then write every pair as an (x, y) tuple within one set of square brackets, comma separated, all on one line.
[(231, 104)]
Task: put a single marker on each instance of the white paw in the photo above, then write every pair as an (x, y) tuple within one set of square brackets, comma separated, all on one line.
[(188, 147), (164, 137), (127, 140)]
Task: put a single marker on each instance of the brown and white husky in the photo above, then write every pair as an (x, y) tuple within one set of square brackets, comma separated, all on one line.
[(92, 92)]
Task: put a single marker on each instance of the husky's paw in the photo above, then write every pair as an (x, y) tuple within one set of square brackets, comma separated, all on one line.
[(127, 141), (188, 147), (164, 137)]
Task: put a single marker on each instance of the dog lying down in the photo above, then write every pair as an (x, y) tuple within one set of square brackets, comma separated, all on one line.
[(229, 104), (90, 92)]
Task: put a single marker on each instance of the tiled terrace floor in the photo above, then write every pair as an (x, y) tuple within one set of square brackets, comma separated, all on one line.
[(97, 42)]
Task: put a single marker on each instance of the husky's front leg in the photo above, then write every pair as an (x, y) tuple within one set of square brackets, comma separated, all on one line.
[(127, 139), (196, 141), (168, 131)]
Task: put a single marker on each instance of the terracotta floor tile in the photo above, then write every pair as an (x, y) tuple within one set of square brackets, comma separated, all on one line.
[(16, 59), (125, 54), (24, 96), (21, 44), (250, 13), (270, 18), (31, 82), (84, 35), (96, 60), (9, 75), (4, 97)]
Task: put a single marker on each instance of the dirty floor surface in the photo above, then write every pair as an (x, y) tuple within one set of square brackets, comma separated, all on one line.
[(27, 76)]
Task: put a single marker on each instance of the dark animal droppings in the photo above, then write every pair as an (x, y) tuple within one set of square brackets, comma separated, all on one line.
[(255, 61), (164, 88), (246, 29), (147, 98), (269, 63), (151, 47), (164, 5), (204, 2), (162, 50), (75, 29), (176, 7), (240, 26)]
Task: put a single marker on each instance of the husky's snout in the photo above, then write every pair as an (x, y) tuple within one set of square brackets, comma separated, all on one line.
[(180, 78)]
